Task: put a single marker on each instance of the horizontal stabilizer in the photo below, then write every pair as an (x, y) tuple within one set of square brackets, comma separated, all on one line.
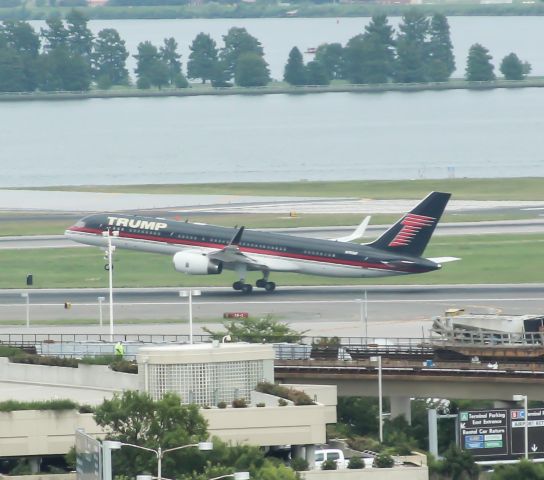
[(444, 259), (359, 232)]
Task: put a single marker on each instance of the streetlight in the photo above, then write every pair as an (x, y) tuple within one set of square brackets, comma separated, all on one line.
[(27, 297), (519, 398), (111, 248), (100, 300), (380, 403), (235, 475), (114, 445), (190, 293)]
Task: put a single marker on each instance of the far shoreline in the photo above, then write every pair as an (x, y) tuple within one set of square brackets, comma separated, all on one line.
[(270, 90)]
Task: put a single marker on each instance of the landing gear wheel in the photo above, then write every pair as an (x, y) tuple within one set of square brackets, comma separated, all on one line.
[(270, 286), (247, 288), (238, 285), (261, 283)]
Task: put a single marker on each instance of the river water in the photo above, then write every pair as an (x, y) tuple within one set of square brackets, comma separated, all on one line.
[(392, 135)]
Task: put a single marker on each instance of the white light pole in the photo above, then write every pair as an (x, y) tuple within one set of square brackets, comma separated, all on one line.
[(112, 445), (100, 300), (26, 296), (363, 315), (111, 248), (380, 402), (190, 293), (519, 398)]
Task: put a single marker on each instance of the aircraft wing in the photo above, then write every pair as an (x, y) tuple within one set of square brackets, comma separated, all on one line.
[(232, 254), (359, 232)]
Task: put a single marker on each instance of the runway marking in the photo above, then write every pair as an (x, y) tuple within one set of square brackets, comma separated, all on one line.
[(283, 302)]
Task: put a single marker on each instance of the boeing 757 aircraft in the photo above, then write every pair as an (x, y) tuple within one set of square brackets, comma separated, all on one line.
[(200, 249)]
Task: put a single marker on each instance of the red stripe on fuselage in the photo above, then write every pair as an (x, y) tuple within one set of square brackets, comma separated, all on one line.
[(195, 243)]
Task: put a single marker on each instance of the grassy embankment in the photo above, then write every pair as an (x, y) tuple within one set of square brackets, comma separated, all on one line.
[(485, 259), (461, 188), (272, 88), (526, 189), (269, 10)]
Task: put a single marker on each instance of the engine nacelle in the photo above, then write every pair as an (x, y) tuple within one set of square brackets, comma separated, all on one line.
[(196, 264)]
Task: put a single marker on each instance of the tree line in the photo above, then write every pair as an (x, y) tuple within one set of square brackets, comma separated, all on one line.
[(420, 52), (66, 55)]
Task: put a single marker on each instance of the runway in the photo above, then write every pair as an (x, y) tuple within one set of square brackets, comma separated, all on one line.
[(392, 311)]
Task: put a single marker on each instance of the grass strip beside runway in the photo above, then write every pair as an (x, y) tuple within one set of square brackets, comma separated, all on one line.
[(461, 188), (485, 259)]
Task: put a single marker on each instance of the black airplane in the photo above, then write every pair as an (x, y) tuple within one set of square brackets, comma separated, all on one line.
[(200, 249)]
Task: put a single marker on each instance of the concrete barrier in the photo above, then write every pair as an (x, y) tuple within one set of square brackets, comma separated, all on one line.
[(397, 473)]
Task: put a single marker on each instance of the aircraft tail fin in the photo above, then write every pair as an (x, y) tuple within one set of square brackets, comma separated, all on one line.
[(411, 234)]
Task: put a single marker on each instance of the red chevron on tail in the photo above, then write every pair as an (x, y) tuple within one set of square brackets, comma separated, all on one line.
[(411, 225)]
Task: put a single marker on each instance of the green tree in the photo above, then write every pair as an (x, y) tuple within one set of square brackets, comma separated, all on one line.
[(479, 66), (251, 70), (63, 70), (203, 61), (360, 413), (170, 56), (316, 74), (151, 69), (412, 52), (458, 465), (109, 58), (238, 42), (133, 417), (378, 61), (524, 470), (294, 72), (257, 330), (354, 55), (331, 56), (512, 67), (80, 37), (12, 75), (55, 34), (22, 38), (441, 62)]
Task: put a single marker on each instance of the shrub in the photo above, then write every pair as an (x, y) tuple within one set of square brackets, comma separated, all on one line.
[(329, 465), (299, 464), (327, 342), (384, 460), (124, 366), (298, 397), (356, 463), (282, 402), (239, 403), (222, 405), (261, 404), (86, 409), (12, 405)]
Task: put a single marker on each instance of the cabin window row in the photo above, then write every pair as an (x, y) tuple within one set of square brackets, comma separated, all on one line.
[(316, 253), (263, 246)]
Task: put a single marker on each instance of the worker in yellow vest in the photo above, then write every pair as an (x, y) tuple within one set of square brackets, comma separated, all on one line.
[(119, 349)]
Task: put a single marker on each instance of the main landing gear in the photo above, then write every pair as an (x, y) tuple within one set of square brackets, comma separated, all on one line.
[(247, 288)]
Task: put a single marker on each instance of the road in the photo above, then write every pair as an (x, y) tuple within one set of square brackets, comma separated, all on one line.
[(461, 228), (392, 311)]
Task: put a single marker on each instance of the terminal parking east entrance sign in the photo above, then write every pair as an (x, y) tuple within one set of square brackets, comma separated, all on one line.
[(500, 433)]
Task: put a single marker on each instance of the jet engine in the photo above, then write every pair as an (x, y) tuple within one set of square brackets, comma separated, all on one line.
[(196, 264)]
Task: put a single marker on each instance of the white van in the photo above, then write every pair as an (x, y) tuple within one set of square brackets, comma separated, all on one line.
[(330, 454)]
